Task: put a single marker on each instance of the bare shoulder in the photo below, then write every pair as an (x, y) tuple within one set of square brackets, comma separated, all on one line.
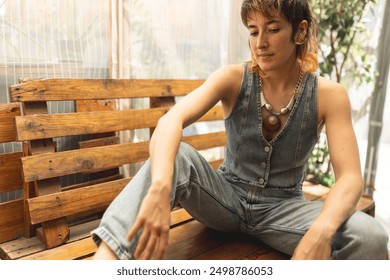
[(228, 76), (332, 96), (226, 83)]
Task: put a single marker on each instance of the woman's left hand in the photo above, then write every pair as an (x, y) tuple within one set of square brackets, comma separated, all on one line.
[(313, 247)]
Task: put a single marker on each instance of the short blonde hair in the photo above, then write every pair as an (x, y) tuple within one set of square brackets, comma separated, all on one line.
[(295, 11)]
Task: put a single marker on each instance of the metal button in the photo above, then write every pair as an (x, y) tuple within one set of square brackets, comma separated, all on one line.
[(261, 181), (267, 149), (263, 165)]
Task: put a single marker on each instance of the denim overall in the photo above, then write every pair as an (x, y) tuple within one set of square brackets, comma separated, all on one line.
[(258, 188)]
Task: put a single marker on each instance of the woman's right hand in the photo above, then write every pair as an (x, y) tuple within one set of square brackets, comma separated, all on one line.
[(154, 221)]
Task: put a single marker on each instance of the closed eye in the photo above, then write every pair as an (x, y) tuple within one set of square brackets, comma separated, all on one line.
[(274, 30)]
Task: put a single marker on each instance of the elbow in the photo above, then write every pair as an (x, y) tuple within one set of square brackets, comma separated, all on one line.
[(358, 183)]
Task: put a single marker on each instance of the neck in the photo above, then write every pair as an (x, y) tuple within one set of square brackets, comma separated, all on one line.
[(281, 81)]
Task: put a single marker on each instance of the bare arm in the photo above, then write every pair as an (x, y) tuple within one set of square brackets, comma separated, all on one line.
[(153, 217), (341, 201)]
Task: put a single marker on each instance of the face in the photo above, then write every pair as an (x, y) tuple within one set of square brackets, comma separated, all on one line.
[(270, 42)]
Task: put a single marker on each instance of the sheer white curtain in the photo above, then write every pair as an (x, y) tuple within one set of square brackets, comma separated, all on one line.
[(52, 38), (173, 39)]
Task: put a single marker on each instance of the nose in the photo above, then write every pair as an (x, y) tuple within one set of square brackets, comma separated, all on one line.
[(262, 41)]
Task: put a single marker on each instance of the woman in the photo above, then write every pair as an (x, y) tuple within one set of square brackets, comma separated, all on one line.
[(274, 108)]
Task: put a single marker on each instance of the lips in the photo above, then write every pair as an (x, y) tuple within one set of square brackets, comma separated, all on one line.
[(265, 55)]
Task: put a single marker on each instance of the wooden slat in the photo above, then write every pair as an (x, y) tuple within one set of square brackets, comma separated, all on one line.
[(85, 199), (63, 204), (267, 253), (7, 124), (179, 217), (216, 163), (95, 105), (366, 205), (214, 114), (85, 89), (11, 220), (25, 247), (43, 126), (56, 125), (233, 248), (76, 161), (68, 251), (105, 141), (190, 240), (93, 182), (206, 141), (10, 172)]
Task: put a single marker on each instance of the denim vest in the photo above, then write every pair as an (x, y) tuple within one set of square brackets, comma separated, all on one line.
[(280, 163)]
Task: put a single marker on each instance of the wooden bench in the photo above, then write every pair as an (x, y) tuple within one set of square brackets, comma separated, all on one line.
[(11, 211), (58, 218)]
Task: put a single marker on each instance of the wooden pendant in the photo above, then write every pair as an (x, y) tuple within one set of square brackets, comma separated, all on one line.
[(271, 123)]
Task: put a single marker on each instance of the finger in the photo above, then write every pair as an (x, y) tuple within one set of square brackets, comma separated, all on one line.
[(162, 244), (150, 248), (133, 231), (143, 241)]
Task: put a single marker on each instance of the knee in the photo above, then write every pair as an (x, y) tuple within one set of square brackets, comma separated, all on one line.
[(375, 241), (367, 238), (186, 154)]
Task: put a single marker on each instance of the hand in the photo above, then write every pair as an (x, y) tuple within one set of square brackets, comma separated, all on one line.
[(313, 247), (154, 219)]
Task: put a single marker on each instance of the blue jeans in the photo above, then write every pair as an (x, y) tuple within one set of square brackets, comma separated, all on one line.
[(278, 217)]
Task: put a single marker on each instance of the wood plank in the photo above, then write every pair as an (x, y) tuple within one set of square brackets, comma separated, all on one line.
[(216, 163), (52, 165), (62, 204), (105, 141), (7, 123), (96, 105), (24, 247), (366, 205), (93, 182), (42, 126), (233, 248), (267, 253), (214, 114), (207, 141), (180, 216), (56, 125), (85, 89), (69, 251), (83, 200), (157, 102), (77, 161), (189, 240), (10, 172), (11, 221)]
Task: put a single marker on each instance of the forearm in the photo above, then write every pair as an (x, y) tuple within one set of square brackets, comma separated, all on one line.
[(163, 149), (339, 205)]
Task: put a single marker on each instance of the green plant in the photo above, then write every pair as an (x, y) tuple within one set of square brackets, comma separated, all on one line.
[(343, 57)]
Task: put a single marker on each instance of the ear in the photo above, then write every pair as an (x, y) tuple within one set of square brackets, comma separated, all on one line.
[(301, 32)]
